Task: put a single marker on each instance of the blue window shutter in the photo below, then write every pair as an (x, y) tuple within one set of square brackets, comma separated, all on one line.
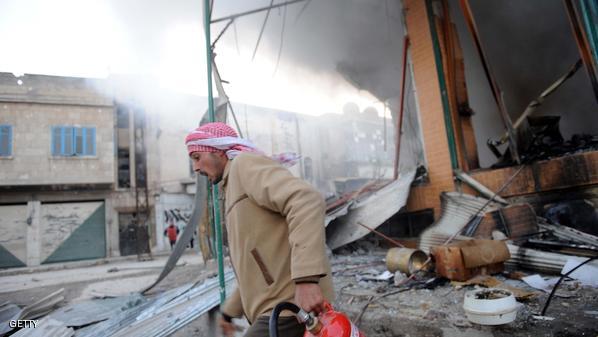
[(70, 141), (62, 141), (53, 140), (5, 140), (77, 148), (84, 142), (3, 131), (10, 140), (57, 141), (93, 141)]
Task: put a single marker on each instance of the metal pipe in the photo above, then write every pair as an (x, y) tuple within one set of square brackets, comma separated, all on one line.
[(589, 11), (505, 185), (401, 109), (443, 90), (533, 105), (394, 242), (215, 198), (476, 185), (257, 10), (582, 44)]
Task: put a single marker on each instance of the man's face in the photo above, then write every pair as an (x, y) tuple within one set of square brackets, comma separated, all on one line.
[(209, 164)]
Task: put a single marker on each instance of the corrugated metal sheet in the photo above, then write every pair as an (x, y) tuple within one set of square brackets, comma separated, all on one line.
[(538, 260), (92, 311), (568, 233), (371, 211), (40, 308), (8, 312), (456, 210), (43, 306), (163, 314), (162, 320), (46, 327)]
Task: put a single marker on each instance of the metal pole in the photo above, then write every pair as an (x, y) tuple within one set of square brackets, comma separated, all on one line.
[(443, 90), (582, 44), (234, 16), (215, 198), (401, 109), (496, 92)]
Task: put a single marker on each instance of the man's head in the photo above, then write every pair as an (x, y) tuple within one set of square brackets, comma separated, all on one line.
[(209, 164), (209, 160)]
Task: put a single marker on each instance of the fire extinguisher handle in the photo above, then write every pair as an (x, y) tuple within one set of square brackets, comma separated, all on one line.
[(328, 306)]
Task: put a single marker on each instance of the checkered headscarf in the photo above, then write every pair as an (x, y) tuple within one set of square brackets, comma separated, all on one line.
[(215, 137)]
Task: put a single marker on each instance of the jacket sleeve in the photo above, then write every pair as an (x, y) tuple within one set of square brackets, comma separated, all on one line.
[(232, 306), (272, 186)]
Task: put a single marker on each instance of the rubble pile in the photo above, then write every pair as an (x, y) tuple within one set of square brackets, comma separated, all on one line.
[(476, 244)]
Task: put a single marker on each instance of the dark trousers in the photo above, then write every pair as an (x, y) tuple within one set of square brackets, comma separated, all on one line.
[(287, 327)]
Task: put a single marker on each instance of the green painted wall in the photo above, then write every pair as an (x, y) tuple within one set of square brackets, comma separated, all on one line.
[(88, 241), (7, 260)]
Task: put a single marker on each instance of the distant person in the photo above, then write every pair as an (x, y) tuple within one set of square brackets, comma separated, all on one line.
[(192, 239), (171, 232)]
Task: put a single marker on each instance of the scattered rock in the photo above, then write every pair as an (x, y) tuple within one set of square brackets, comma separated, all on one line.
[(461, 323), (434, 315)]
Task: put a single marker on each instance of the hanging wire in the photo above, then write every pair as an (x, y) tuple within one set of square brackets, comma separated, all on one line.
[(284, 19), (561, 280), (222, 32), (236, 37), (302, 10), (262, 30), (232, 112)]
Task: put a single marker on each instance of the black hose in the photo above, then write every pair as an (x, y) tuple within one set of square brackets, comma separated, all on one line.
[(561, 279), (273, 323)]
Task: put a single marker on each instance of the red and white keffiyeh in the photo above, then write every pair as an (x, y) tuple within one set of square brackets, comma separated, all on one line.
[(214, 137)]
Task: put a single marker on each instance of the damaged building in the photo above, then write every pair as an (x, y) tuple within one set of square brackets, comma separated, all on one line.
[(468, 212), (74, 174)]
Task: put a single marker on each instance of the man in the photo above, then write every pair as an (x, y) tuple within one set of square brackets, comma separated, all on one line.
[(171, 232), (275, 229)]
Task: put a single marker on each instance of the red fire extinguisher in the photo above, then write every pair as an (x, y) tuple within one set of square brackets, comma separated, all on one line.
[(329, 323)]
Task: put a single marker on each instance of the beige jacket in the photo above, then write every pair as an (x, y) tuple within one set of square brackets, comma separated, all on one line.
[(275, 228)]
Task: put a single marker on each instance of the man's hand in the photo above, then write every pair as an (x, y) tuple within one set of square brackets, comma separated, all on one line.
[(308, 297), (228, 328)]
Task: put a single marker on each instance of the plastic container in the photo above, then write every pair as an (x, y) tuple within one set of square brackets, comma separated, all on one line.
[(490, 306)]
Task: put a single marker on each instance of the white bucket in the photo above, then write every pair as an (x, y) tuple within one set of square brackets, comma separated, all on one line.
[(490, 306)]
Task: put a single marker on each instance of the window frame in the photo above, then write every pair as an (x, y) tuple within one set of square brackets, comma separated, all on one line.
[(61, 133)]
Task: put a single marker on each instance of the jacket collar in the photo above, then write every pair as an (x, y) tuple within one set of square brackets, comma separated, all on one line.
[(225, 174)]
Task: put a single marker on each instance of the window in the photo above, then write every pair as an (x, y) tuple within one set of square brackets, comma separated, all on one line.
[(73, 141), (5, 140)]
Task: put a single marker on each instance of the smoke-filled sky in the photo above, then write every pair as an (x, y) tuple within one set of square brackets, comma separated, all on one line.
[(328, 51), (164, 40)]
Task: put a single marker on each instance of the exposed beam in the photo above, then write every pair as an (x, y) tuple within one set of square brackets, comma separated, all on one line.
[(257, 10)]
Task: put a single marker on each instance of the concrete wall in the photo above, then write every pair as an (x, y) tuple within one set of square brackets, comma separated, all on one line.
[(32, 162), (37, 233), (13, 235), (52, 90)]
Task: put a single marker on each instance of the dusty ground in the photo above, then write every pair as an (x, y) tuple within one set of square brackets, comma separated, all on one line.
[(439, 311), (421, 312)]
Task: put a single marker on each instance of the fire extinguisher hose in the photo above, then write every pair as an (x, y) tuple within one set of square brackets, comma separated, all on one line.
[(273, 323)]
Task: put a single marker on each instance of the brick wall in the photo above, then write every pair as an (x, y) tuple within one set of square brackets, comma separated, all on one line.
[(431, 112)]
